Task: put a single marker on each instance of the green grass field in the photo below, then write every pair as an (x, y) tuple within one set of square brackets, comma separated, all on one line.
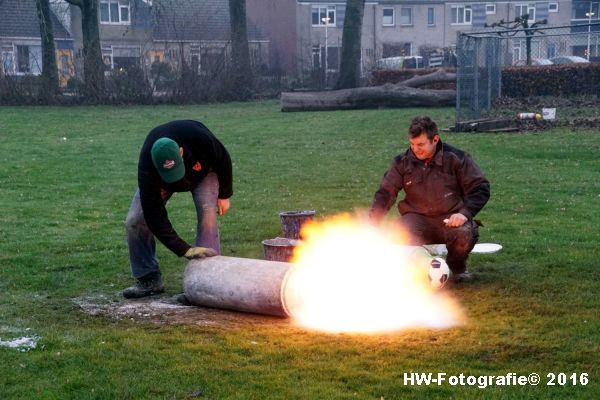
[(67, 179)]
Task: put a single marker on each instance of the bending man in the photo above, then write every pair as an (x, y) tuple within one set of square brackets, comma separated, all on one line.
[(180, 156)]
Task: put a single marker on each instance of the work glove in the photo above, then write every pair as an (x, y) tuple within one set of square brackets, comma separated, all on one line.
[(200, 252)]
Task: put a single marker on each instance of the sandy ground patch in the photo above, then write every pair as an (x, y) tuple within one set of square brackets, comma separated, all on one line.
[(166, 310)]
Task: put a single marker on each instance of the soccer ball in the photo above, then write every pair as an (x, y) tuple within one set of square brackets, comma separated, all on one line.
[(439, 273)]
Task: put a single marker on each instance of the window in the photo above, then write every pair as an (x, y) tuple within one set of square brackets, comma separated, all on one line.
[(195, 57), (321, 13), (212, 60), (8, 60), (552, 7), (26, 60), (396, 49), (64, 64), (405, 16), (23, 59), (107, 58), (318, 53), (522, 9), (430, 16), (580, 10), (388, 17), (332, 57), (126, 57), (316, 56), (516, 51), (460, 15), (114, 12), (490, 9)]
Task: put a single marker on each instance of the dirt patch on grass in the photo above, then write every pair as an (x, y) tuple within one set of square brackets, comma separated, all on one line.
[(165, 310)]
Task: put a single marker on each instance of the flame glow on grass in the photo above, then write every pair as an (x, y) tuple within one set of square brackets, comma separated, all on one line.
[(350, 276)]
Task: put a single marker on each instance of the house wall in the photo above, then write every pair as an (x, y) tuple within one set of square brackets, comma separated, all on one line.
[(275, 18), (130, 40)]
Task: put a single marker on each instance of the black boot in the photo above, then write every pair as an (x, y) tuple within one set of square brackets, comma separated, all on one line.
[(145, 286)]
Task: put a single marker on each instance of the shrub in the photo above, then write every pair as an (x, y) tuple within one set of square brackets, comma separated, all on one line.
[(129, 86), (551, 80)]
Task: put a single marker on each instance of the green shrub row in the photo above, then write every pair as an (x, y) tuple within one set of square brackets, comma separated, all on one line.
[(548, 80), (551, 80)]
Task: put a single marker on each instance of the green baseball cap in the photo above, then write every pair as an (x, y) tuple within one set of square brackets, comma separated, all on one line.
[(167, 159)]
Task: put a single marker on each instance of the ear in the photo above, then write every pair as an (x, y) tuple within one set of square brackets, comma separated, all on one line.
[(181, 151), (436, 139)]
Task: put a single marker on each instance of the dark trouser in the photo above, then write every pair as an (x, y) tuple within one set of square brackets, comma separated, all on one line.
[(432, 230)]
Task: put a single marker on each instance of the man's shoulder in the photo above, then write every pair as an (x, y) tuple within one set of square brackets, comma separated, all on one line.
[(455, 152), (402, 157), (179, 127)]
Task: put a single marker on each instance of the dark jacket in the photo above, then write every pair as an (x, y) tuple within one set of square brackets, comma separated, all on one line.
[(450, 183), (202, 153)]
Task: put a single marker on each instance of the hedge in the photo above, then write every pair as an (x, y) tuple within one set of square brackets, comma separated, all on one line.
[(551, 80), (548, 80)]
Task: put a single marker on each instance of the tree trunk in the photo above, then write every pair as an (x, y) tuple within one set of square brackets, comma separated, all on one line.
[(93, 67), (49, 68), (403, 94), (351, 45), (240, 56)]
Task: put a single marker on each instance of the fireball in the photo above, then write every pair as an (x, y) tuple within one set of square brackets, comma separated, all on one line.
[(350, 276)]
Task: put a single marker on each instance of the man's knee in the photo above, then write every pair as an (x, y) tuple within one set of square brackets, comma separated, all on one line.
[(134, 222), (463, 238), (415, 228)]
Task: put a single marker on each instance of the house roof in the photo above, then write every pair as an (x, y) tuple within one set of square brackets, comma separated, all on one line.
[(195, 20), (18, 18)]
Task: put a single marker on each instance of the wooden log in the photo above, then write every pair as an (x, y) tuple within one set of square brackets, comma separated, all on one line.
[(403, 94), (387, 95), (440, 75)]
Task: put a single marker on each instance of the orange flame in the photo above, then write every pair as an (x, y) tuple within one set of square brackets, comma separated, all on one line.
[(350, 276)]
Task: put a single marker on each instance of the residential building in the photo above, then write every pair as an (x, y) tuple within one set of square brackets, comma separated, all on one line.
[(408, 28), (21, 45), (132, 32), (141, 32)]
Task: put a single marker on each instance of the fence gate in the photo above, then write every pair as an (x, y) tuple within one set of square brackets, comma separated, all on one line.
[(478, 77)]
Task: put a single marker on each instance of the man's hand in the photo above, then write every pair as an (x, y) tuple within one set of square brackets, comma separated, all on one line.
[(200, 252), (455, 220), (222, 206)]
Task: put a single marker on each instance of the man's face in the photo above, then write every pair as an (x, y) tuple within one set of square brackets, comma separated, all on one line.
[(423, 147)]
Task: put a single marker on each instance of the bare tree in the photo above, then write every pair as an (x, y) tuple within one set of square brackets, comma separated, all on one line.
[(521, 24), (240, 55), (49, 69), (351, 42), (93, 68)]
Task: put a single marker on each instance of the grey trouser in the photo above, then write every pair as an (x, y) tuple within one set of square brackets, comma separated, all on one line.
[(141, 242)]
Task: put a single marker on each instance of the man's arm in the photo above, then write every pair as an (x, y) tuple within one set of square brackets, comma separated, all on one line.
[(156, 216), (386, 195), (475, 186)]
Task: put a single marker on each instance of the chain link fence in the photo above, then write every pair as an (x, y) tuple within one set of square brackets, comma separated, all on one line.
[(483, 58)]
